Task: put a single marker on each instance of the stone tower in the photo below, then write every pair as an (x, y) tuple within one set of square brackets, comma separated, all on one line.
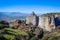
[(32, 18)]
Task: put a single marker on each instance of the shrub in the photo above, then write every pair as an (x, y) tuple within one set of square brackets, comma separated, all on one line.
[(54, 38), (9, 37), (14, 34), (3, 26), (51, 38), (34, 38)]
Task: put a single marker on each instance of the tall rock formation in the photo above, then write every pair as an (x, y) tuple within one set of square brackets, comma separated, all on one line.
[(47, 21), (44, 22), (32, 19)]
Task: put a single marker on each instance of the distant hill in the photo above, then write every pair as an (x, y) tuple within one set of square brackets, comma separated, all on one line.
[(50, 14), (12, 15)]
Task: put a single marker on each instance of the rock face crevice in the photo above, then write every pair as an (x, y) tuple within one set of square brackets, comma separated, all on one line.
[(57, 21)]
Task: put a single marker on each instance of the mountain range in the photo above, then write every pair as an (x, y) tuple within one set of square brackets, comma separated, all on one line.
[(12, 15)]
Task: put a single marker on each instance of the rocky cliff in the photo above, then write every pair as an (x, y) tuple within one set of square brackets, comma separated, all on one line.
[(47, 21)]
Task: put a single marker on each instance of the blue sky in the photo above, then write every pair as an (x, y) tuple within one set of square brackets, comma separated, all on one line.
[(27, 6)]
